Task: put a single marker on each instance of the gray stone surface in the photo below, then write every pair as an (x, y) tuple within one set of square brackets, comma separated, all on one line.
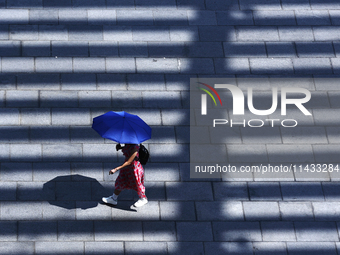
[(94, 98), (326, 211), (246, 153), (136, 17), (302, 191), (43, 247), (185, 247), (302, 135), (194, 231), (179, 211), (10, 49), (53, 32), (125, 231), (21, 98), (184, 34), (220, 211), (322, 33), (313, 17), (296, 211), (103, 247), (65, 62), (265, 211), (53, 65), (236, 231), (231, 191), (56, 98), (78, 81), (50, 212), (269, 247), (26, 152), (8, 231), (280, 49), (202, 191), (23, 211), (311, 248), (299, 33), (157, 65), (86, 65), (159, 231), (8, 192), (229, 248), (235, 49), (264, 191), (111, 82), (11, 134), (120, 65), (4, 35), (271, 66), (75, 231), (17, 65), (255, 136), (36, 117), (143, 33), (139, 82), (49, 17), (290, 153), (256, 33), (232, 65), (274, 18), (326, 154), (34, 191), (206, 18), (65, 152), (312, 66), (164, 17), (73, 116), (72, 16), (101, 17), (38, 82), (14, 16), (317, 49), (284, 231), (17, 247), (69, 49), (305, 231), (236, 18), (24, 32), (145, 247), (330, 191), (117, 33), (37, 231), (85, 33)]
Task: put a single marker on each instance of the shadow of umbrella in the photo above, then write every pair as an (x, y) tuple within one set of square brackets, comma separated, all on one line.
[(74, 191), (77, 191)]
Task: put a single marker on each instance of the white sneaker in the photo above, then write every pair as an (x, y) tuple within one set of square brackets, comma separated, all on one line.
[(141, 202), (109, 200)]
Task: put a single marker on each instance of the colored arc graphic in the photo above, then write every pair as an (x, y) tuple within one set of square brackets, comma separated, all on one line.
[(208, 86), (209, 95)]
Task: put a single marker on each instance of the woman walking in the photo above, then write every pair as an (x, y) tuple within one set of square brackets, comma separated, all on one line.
[(131, 176)]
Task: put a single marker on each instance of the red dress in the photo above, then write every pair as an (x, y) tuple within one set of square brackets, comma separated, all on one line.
[(132, 176)]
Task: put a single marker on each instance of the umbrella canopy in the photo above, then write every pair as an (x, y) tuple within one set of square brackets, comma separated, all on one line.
[(122, 127)]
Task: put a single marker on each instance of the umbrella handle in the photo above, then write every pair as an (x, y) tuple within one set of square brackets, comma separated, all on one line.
[(118, 147)]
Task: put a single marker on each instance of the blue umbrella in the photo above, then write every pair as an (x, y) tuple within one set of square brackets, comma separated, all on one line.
[(122, 127)]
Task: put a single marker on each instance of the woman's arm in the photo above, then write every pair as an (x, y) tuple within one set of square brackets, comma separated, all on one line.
[(126, 163)]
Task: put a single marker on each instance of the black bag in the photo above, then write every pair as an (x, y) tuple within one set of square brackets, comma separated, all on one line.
[(143, 154)]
